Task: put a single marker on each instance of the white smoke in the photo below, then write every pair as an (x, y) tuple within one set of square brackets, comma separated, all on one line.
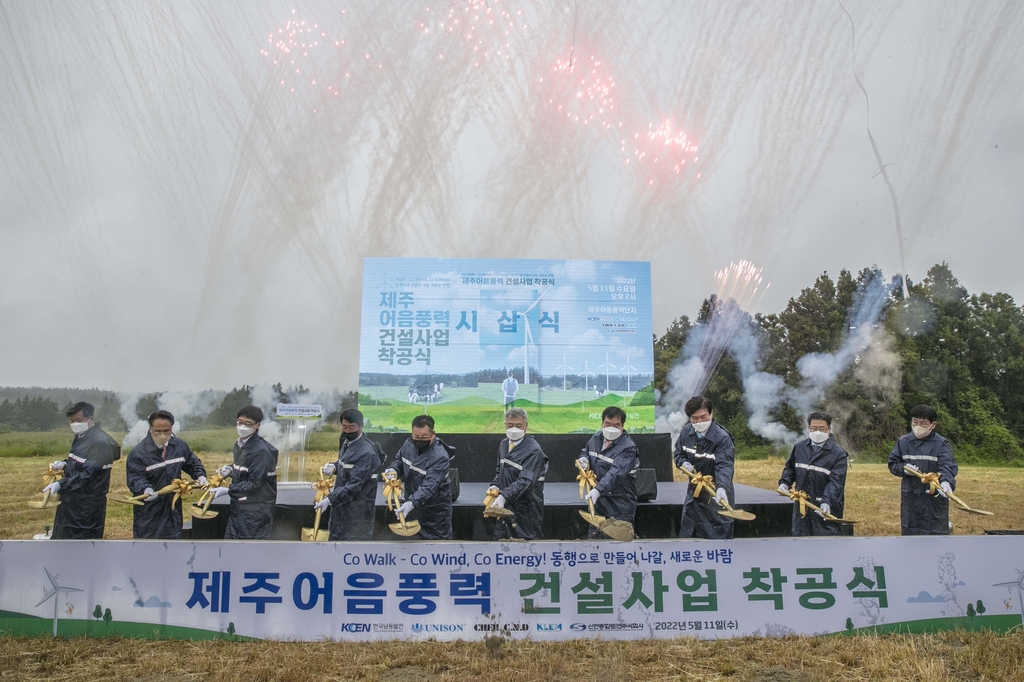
[(266, 397), (137, 428), (189, 405)]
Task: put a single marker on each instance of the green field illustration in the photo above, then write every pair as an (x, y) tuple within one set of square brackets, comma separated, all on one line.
[(14, 624), (481, 409)]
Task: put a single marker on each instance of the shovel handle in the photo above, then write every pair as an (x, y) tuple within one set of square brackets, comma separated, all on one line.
[(316, 523)]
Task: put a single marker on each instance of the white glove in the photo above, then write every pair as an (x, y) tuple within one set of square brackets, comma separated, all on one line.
[(493, 490), (390, 473), (226, 470), (826, 509), (689, 467), (404, 510), (217, 492), (584, 463), (202, 481), (328, 469), (152, 495), (944, 490), (912, 467), (58, 465), (499, 503), (52, 488), (593, 495), (783, 488), (721, 498), (323, 504)]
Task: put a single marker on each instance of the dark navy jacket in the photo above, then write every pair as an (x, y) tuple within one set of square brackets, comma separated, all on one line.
[(819, 472), (147, 468), (921, 513), (615, 470), (713, 455), (352, 498), (425, 481), (253, 490), (83, 490), (520, 478)]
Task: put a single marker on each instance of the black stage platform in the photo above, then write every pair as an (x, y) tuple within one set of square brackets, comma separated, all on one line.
[(476, 460)]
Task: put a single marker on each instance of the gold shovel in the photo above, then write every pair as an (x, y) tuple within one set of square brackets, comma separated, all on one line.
[(137, 500), (932, 481), (200, 509), (314, 534), (392, 494), (804, 500), (493, 512), (702, 482), (48, 500), (179, 487), (613, 528)]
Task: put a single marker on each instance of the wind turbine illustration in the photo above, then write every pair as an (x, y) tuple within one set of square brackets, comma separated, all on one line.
[(528, 337), (627, 368), (562, 369), (53, 594), (1019, 584), (607, 367), (586, 377)]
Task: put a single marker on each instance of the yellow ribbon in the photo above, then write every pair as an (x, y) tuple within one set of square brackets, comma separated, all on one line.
[(490, 498), (52, 475), (392, 492), (180, 487), (322, 488), (801, 498), (587, 480)]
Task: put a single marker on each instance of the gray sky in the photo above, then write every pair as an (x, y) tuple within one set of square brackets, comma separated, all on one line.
[(180, 211)]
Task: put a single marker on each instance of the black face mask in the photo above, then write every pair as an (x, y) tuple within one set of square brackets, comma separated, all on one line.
[(422, 445), (350, 436)]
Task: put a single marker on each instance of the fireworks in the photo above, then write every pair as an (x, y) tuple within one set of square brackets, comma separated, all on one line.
[(304, 58), (665, 149), (589, 96), (484, 28)]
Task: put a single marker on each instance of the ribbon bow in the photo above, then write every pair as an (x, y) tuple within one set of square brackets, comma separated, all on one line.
[(322, 488), (932, 481), (392, 492), (800, 497), (587, 480), (702, 483), (490, 498), (179, 487), (52, 475)]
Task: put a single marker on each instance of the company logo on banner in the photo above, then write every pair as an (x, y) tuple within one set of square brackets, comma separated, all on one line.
[(465, 339), (768, 587)]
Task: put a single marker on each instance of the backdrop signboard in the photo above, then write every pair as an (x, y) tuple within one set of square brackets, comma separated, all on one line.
[(463, 339), (543, 590)]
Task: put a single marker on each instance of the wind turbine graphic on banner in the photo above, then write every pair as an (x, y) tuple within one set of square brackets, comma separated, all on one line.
[(607, 367), (1019, 584), (627, 368), (561, 368), (53, 594), (586, 376), (528, 337)]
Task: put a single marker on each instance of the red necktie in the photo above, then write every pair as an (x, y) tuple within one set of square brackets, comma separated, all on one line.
[(163, 452)]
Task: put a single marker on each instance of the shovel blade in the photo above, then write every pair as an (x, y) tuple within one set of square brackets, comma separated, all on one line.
[(309, 535), (407, 531), (593, 519), (46, 503), (971, 510), (738, 514), (114, 497), (498, 513), (198, 512)]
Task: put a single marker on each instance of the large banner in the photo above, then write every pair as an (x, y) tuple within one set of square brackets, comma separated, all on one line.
[(543, 590), (464, 339)]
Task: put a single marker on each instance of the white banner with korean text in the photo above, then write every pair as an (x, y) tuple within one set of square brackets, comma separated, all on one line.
[(541, 590)]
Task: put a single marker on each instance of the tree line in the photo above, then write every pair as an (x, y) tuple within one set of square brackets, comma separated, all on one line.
[(962, 353)]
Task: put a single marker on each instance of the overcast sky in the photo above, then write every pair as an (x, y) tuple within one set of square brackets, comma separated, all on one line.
[(184, 207)]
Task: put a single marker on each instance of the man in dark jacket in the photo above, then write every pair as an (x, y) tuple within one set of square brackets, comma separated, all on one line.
[(705, 447), (614, 458), (817, 466), (352, 499), (422, 464), (925, 451), (253, 489), (82, 513), (152, 464), (519, 481)]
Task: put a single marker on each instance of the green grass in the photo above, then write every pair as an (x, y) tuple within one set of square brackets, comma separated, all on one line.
[(23, 625), (1000, 623)]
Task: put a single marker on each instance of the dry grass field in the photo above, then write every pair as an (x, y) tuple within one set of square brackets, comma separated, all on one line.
[(872, 498)]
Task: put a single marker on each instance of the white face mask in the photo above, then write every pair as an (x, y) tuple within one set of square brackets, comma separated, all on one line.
[(611, 433), (921, 431), (702, 427), (515, 434), (245, 431), (79, 427), (161, 439), (818, 437)]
